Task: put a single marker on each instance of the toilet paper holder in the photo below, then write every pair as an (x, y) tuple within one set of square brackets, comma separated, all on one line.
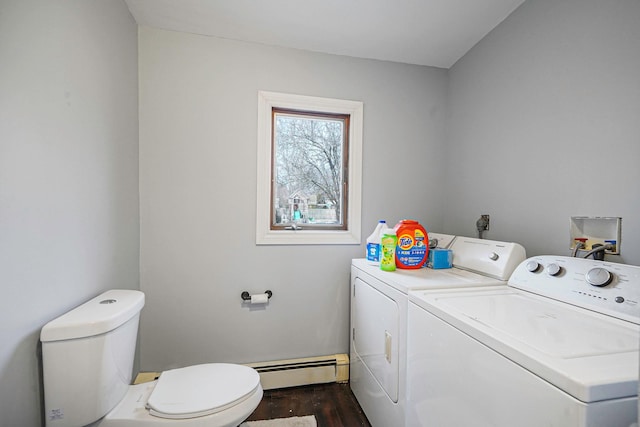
[(246, 296)]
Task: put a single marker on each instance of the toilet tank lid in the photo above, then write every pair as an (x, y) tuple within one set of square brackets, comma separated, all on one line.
[(97, 316)]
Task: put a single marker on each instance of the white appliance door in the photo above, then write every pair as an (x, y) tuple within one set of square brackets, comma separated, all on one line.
[(376, 335)]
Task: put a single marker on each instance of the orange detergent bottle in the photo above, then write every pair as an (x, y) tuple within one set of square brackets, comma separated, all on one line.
[(413, 244)]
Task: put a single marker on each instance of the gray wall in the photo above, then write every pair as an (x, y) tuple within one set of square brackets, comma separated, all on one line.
[(544, 123), (68, 175), (545, 99), (198, 113)]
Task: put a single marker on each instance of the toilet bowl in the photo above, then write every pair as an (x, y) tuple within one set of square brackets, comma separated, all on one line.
[(87, 360)]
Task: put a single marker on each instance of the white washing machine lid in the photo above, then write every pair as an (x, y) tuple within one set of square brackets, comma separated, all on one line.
[(591, 356), (200, 390)]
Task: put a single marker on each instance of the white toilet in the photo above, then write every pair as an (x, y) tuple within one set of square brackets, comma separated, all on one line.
[(87, 357)]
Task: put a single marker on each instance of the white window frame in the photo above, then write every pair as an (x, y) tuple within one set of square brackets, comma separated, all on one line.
[(264, 235)]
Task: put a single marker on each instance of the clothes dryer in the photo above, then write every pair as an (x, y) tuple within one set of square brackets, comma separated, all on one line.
[(379, 302)]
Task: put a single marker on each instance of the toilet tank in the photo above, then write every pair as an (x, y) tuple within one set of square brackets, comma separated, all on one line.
[(87, 358)]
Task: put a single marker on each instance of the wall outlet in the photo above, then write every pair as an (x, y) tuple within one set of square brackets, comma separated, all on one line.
[(485, 218)]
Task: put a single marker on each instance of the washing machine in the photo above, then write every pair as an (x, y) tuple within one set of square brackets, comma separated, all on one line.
[(556, 346), (379, 302)]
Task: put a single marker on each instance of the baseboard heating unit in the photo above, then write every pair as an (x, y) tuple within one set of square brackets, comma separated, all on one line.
[(296, 372)]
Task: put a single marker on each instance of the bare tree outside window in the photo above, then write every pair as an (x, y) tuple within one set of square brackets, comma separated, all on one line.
[(309, 170)]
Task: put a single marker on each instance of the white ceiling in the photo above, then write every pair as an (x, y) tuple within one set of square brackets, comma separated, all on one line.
[(424, 32)]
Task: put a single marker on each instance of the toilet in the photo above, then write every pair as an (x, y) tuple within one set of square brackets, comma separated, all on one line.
[(87, 360)]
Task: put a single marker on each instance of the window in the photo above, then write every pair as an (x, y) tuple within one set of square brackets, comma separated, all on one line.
[(309, 170)]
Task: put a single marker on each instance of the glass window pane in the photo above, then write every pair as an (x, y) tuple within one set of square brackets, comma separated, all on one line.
[(309, 158)]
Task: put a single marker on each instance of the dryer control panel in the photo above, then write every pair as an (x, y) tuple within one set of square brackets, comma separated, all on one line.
[(490, 258), (606, 287)]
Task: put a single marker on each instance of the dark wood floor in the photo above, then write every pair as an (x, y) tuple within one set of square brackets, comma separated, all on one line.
[(334, 405)]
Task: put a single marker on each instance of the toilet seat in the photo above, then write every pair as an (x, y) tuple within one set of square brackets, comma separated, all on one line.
[(200, 390)]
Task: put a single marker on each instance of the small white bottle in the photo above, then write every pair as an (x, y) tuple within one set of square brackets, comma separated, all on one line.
[(373, 243)]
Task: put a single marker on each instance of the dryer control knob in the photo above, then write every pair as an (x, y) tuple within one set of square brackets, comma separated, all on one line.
[(553, 269), (493, 256), (598, 277), (533, 266)]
